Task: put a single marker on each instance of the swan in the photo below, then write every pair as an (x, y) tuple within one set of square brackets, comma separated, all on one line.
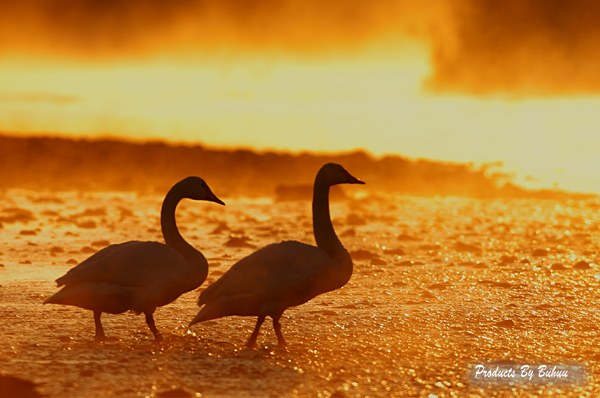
[(284, 274), (139, 276)]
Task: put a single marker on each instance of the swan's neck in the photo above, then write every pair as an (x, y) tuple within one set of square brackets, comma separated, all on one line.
[(172, 236), (325, 234)]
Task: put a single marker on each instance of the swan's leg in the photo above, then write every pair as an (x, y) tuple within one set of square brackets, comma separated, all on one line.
[(252, 340), (100, 336), (152, 326), (277, 327)]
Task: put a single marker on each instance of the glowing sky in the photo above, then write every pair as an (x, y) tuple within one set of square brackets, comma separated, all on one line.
[(479, 81)]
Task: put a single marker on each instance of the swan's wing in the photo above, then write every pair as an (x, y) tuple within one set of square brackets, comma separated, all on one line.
[(287, 273), (128, 264)]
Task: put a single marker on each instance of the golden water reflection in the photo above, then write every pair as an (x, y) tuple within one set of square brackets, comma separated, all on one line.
[(440, 285)]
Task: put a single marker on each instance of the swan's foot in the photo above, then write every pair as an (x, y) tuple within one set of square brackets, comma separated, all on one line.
[(158, 337), (100, 337)]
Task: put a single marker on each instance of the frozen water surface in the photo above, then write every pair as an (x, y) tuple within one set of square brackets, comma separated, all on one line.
[(439, 286)]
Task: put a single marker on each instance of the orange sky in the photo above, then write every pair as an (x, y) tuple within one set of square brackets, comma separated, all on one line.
[(469, 80)]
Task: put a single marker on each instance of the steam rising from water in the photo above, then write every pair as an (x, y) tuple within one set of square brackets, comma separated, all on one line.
[(519, 47), (532, 47)]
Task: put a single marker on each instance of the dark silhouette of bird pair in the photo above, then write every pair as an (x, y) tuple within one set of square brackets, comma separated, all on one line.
[(142, 276)]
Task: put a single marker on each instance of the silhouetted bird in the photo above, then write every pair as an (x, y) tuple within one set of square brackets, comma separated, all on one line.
[(284, 274), (139, 276)]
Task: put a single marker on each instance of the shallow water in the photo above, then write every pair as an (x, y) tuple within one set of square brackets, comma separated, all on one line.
[(439, 286)]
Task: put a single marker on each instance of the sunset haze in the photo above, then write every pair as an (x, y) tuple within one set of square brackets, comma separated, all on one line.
[(466, 81)]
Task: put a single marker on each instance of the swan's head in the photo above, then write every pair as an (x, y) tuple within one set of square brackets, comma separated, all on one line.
[(195, 188), (333, 173)]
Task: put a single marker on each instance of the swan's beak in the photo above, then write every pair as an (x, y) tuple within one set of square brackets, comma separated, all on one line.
[(352, 180), (213, 198)]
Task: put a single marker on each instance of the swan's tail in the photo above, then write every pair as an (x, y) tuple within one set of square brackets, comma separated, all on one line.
[(200, 317), (242, 305)]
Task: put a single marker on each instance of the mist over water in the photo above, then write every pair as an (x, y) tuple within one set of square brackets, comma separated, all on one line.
[(518, 48), (462, 81), (45, 163)]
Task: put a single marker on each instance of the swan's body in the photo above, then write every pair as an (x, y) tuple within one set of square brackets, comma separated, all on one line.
[(139, 276), (284, 274)]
